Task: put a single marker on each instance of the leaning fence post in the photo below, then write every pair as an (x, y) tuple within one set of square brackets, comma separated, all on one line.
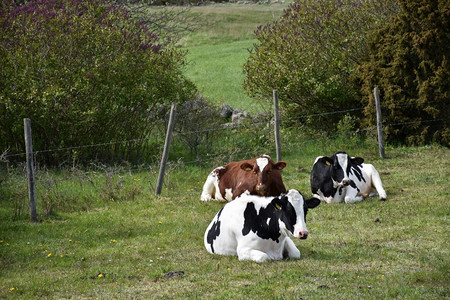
[(30, 169), (379, 122), (277, 125), (162, 167)]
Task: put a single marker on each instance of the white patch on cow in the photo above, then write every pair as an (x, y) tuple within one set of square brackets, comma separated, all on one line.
[(228, 194), (262, 163), (343, 162), (317, 158), (210, 187)]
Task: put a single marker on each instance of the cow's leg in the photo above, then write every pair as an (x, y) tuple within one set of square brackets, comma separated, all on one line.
[(290, 249), (351, 196), (209, 188), (252, 254), (376, 183)]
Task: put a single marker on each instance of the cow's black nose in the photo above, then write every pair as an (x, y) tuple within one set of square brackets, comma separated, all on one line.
[(303, 235), (346, 182)]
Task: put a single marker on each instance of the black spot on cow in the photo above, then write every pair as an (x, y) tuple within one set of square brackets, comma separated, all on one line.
[(265, 223), (214, 231), (321, 177), (356, 170)]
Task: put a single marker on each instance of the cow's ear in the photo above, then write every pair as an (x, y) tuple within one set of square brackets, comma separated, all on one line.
[(357, 160), (279, 165), (326, 160), (277, 203), (312, 203), (246, 167)]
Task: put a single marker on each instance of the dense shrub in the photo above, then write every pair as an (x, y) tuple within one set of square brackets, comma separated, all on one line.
[(308, 54), (196, 123), (408, 59), (85, 73)]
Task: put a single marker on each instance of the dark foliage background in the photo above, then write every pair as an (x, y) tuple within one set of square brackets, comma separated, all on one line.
[(408, 59)]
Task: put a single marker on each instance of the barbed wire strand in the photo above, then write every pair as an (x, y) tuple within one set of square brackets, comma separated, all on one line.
[(222, 127)]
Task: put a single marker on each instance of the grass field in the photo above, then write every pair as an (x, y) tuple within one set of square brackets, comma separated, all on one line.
[(107, 236), (122, 248), (218, 50)]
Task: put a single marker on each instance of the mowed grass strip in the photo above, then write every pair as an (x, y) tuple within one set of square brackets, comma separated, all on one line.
[(123, 249)]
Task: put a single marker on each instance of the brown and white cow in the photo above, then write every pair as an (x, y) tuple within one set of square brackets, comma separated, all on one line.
[(259, 176)]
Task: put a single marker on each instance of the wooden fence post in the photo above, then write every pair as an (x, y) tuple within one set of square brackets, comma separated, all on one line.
[(30, 169), (277, 125), (162, 167), (379, 122)]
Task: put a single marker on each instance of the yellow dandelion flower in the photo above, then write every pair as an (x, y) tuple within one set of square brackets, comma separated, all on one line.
[(12, 289), (100, 275), (113, 241), (49, 255), (159, 222)]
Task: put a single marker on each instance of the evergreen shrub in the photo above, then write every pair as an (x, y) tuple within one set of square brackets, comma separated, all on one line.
[(408, 60)]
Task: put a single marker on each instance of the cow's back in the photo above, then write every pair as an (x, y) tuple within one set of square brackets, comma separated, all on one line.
[(225, 230), (236, 179)]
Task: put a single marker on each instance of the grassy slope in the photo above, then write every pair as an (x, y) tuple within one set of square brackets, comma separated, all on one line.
[(219, 49)]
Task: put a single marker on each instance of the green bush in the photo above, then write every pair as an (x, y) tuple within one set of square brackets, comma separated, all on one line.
[(309, 53), (85, 73), (408, 60)]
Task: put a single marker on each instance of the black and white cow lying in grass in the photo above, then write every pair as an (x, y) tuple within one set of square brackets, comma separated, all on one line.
[(340, 178), (258, 228)]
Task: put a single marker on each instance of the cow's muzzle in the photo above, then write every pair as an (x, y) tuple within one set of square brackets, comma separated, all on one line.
[(303, 235), (261, 190), (346, 181)]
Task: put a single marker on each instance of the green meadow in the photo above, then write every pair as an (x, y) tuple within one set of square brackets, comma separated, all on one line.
[(106, 235), (219, 48)]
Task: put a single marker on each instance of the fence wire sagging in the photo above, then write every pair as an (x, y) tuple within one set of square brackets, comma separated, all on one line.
[(193, 144)]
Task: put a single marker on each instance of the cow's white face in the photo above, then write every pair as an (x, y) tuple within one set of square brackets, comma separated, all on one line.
[(341, 170), (297, 201)]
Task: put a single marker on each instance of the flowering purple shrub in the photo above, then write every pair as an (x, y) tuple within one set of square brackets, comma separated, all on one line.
[(85, 73)]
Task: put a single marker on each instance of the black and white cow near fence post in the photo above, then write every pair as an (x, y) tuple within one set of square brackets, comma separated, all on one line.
[(341, 178), (258, 228)]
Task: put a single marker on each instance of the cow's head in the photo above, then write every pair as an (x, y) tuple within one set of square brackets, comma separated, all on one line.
[(263, 169), (340, 165), (293, 209)]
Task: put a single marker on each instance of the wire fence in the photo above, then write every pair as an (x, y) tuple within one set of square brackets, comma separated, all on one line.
[(211, 146)]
